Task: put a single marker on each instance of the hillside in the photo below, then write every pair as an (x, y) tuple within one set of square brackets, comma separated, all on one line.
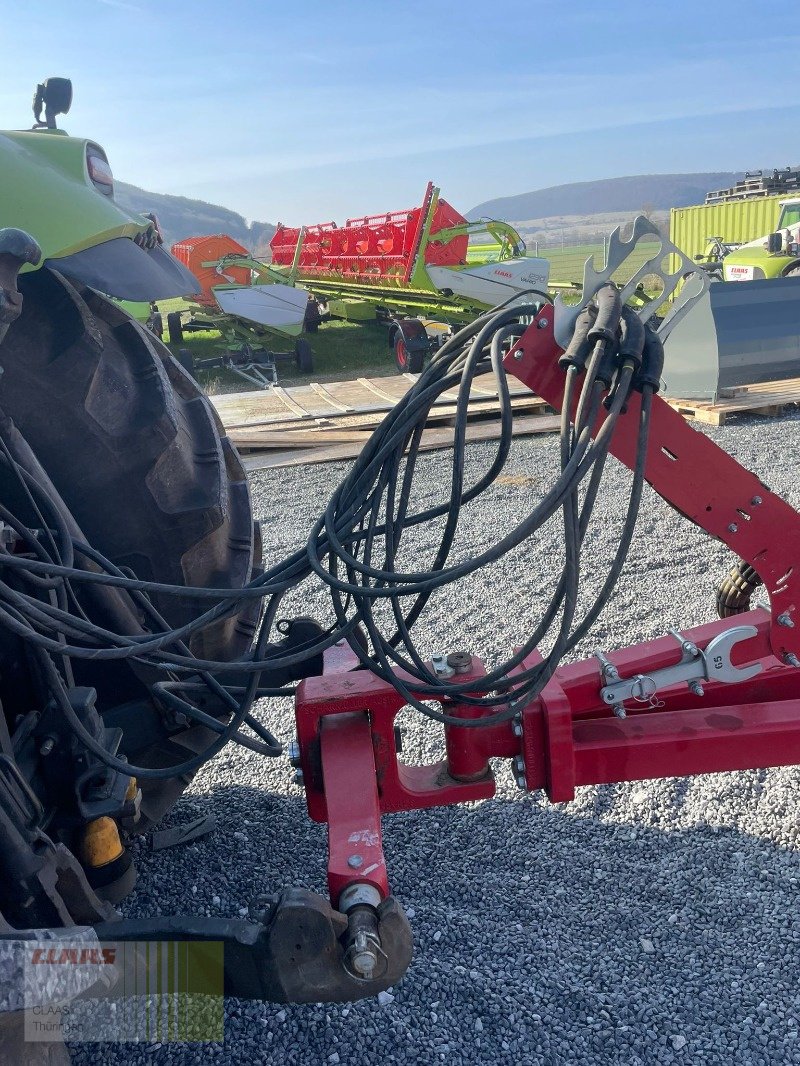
[(578, 211), (180, 217), (650, 192)]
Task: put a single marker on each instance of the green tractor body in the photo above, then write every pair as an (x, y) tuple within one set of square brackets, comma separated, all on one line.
[(775, 255), (60, 190)]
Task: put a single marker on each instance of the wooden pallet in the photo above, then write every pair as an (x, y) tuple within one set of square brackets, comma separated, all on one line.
[(343, 401), (437, 438), (319, 423), (767, 398)]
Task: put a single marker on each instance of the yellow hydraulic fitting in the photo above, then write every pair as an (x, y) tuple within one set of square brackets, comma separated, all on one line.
[(129, 816), (101, 843)]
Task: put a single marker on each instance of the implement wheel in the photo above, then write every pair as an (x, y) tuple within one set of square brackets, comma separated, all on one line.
[(408, 362), (175, 327), (303, 356)]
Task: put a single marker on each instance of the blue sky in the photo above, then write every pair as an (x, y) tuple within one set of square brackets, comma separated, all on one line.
[(307, 111)]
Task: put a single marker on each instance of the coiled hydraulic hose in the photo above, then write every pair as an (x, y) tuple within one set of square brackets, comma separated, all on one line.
[(354, 546)]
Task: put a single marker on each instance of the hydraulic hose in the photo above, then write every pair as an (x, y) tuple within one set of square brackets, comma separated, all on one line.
[(354, 548)]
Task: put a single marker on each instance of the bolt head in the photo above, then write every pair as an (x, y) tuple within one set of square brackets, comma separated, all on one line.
[(733, 528), (298, 778), (756, 500), (364, 963), (354, 861), (440, 667), (518, 770), (460, 661), (516, 728), (786, 620), (543, 323)]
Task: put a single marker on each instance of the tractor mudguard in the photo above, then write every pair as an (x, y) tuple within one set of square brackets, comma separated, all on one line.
[(122, 269)]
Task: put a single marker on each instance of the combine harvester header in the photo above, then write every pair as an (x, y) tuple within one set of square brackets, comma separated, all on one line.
[(422, 253)]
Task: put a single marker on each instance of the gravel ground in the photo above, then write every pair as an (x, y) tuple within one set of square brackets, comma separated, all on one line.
[(646, 922)]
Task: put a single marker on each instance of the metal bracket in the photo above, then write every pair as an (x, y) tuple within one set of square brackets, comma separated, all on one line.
[(618, 251), (710, 664)]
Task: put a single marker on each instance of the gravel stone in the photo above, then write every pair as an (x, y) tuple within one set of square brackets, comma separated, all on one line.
[(547, 903)]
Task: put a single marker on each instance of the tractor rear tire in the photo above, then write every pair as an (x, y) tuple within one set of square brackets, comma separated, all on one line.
[(139, 455)]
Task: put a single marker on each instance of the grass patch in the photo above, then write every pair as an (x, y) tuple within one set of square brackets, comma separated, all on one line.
[(341, 350), (566, 264)]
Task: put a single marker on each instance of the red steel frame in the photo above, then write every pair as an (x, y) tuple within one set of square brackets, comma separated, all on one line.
[(568, 736)]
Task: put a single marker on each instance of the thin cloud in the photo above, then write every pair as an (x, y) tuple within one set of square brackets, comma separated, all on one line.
[(123, 5)]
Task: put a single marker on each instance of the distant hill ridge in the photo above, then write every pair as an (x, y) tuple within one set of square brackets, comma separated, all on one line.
[(650, 191), (181, 217)]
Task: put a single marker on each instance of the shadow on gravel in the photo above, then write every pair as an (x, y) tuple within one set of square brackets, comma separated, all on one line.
[(602, 931)]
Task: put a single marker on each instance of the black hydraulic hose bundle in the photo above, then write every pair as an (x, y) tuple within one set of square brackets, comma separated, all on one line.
[(355, 544)]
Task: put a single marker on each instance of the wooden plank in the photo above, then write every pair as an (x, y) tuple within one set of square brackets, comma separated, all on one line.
[(432, 440), (290, 402), (301, 401), (366, 423), (786, 385), (329, 398), (320, 416), (296, 438), (717, 414), (442, 408)]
